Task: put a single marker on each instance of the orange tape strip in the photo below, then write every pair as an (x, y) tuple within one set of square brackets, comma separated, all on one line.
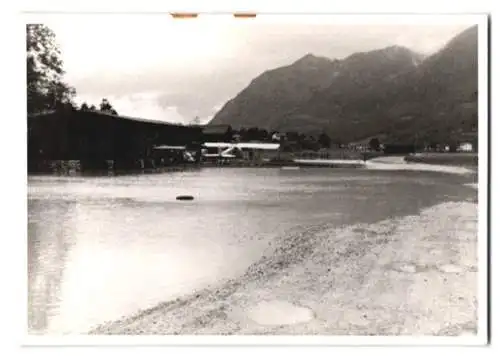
[(184, 15), (244, 15), (195, 15)]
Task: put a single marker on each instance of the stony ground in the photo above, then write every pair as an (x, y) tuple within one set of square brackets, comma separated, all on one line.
[(414, 275)]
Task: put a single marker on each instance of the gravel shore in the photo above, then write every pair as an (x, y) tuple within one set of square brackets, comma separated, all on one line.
[(413, 275)]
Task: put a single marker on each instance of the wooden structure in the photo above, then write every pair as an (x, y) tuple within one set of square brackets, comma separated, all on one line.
[(96, 138)]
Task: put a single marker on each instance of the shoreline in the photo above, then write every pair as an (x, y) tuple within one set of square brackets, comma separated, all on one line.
[(400, 163), (387, 163), (466, 159), (364, 279)]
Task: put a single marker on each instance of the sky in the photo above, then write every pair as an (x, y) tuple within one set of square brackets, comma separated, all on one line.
[(155, 67)]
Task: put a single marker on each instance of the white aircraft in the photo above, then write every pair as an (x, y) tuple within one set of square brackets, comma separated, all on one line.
[(226, 149), (243, 146), (219, 155)]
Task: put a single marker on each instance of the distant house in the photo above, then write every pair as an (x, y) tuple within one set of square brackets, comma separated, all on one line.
[(468, 142), (277, 137), (465, 147), (358, 146), (217, 133)]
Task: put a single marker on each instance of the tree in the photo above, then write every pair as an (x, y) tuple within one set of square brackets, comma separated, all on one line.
[(310, 143), (46, 89), (324, 140), (253, 133), (84, 107), (106, 107), (228, 136), (243, 134), (92, 108), (374, 144), (196, 121), (292, 135), (263, 134)]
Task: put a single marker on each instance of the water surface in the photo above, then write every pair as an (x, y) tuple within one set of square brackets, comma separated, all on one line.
[(100, 248)]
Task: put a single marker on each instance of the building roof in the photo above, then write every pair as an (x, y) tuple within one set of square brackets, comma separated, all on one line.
[(104, 114), (136, 119)]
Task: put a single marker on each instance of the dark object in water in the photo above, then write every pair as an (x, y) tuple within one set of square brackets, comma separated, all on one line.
[(184, 197)]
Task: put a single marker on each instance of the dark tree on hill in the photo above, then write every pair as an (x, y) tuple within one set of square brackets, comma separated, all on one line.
[(106, 107), (325, 141), (453, 144), (313, 143), (292, 136), (84, 107), (243, 133), (263, 134), (92, 108), (46, 89), (374, 144), (253, 134)]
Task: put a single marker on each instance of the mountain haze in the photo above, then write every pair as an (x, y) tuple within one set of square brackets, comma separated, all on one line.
[(392, 92)]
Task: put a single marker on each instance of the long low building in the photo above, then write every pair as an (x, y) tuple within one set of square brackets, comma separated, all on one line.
[(96, 137)]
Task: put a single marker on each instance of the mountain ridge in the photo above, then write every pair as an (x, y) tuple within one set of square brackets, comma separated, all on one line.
[(393, 91)]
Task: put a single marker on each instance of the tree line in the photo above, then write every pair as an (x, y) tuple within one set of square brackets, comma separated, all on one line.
[(46, 88), (105, 107), (294, 140)]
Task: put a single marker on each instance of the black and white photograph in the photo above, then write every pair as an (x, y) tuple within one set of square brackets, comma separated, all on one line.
[(247, 174)]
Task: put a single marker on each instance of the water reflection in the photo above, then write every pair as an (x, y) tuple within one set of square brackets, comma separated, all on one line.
[(49, 243)]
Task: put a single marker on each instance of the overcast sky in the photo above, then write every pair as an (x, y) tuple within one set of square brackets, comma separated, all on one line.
[(173, 70)]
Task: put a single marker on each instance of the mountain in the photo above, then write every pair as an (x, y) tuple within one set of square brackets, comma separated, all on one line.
[(358, 94), (445, 88), (438, 101), (391, 92), (274, 92)]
